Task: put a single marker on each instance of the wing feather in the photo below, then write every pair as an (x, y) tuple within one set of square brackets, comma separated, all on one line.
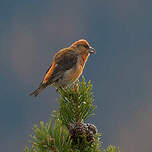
[(63, 62)]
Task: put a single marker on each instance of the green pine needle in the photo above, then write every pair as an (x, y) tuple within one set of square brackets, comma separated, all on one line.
[(76, 103)]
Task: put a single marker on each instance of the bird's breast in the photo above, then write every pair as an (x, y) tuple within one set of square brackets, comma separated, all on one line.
[(74, 73)]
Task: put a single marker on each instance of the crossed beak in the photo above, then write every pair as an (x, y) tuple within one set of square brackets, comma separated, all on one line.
[(92, 50)]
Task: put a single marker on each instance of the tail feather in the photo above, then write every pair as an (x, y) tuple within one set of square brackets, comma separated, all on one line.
[(37, 91)]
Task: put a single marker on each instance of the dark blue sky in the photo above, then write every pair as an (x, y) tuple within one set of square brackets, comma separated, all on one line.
[(120, 31)]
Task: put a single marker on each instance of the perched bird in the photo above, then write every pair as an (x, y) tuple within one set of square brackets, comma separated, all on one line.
[(67, 66)]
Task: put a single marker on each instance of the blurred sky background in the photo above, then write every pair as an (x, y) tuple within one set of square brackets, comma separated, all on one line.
[(31, 31)]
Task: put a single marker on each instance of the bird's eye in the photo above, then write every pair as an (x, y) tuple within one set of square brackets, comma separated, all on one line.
[(78, 45), (86, 46)]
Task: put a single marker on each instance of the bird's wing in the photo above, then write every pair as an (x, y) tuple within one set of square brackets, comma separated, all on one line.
[(63, 62), (66, 60)]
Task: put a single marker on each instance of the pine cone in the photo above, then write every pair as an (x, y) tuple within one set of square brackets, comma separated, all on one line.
[(92, 128), (52, 141), (90, 137), (71, 130), (81, 129)]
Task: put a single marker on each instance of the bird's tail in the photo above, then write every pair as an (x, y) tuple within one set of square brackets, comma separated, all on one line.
[(37, 91)]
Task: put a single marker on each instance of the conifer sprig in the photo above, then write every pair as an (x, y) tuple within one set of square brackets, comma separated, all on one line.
[(66, 130), (50, 138), (76, 103)]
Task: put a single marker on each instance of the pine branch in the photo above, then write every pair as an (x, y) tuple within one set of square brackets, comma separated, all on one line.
[(49, 138), (66, 130), (76, 103)]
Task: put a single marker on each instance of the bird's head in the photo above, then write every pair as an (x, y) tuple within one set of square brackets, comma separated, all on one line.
[(83, 47)]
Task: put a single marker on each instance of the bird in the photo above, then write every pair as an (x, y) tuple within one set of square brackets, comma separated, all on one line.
[(67, 66)]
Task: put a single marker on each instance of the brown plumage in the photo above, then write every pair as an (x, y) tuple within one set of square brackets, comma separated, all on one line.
[(67, 66)]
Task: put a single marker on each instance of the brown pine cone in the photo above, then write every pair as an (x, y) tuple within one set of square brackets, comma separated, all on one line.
[(92, 128), (90, 137), (81, 129)]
